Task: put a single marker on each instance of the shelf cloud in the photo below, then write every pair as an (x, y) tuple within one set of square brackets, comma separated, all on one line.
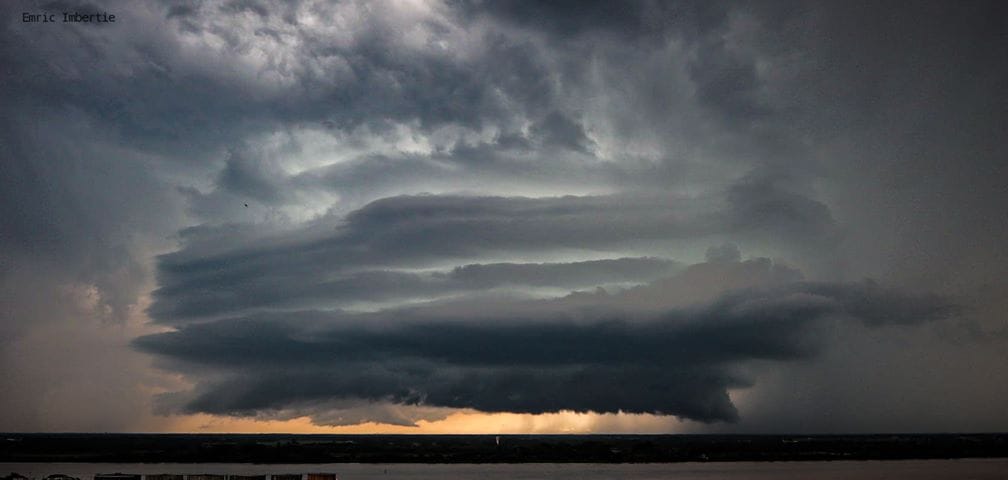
[(635, 351), (753, 217)]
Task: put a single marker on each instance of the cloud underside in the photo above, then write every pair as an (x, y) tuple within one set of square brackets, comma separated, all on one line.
[(354, 317), (646, 349)]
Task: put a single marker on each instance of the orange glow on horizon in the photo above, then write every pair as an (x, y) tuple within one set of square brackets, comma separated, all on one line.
[(460, 422)]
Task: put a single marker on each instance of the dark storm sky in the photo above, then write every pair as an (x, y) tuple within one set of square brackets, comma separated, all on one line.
[(751, 216)]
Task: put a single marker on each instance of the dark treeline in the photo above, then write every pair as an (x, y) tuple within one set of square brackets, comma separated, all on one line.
[(269, 448)]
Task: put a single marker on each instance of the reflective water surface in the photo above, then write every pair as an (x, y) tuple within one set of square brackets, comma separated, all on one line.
[(964, 469)]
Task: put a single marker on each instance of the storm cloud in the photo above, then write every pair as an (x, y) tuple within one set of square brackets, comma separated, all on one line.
[(738, 214), (416, 231), (595, 352)]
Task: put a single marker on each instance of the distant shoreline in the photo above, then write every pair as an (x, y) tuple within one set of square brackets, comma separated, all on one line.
[(484, 449)]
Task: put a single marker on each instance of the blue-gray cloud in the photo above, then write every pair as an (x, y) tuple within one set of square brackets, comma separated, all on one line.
[(313, 168), (600, 352), (324, 262)]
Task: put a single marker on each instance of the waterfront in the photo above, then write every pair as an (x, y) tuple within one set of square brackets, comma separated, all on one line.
[(976, 469)]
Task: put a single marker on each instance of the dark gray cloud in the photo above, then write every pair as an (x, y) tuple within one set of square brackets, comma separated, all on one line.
[(323, 287), (243, 176), (407, 227), (56, 206), (572, 20), (695, 394), (482, 156), (321, 263), (158, 97), (741, 324), (557, 130), (529, 358)]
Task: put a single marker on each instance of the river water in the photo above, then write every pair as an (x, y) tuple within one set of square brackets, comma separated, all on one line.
[(964, 469)]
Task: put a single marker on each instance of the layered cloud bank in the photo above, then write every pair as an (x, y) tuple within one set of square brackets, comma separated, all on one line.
[(647, 349), (750, 217), (355, 257)]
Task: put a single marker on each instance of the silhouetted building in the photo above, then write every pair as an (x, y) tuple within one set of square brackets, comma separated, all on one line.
[(246, 477)]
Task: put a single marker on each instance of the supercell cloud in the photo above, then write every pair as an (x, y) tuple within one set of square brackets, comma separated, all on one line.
[(749, 217), (631, 352)]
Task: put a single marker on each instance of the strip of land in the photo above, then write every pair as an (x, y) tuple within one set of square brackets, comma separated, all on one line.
[(187, 448)]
